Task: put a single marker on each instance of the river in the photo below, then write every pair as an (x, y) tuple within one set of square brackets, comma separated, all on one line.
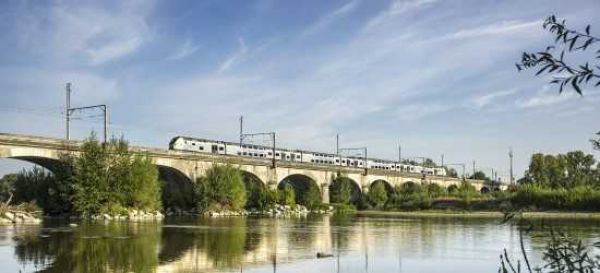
[(358, 244)]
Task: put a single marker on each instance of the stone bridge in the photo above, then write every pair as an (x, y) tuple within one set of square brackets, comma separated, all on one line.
[(187, 166)]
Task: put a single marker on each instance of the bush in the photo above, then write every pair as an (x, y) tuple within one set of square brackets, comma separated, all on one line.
[(224, 186), (287, 196), (378, 195), (434, 190)]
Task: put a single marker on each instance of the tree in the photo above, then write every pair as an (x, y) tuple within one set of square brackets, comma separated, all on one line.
[(451, 172), (143, 190), (91, 188), (553, 61), (378, 195), (7, 186), (596, 142), (225, 186), (287, 195), (341, 191), (479, 175)]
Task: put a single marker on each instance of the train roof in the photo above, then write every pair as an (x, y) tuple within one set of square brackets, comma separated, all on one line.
[(288, 150)]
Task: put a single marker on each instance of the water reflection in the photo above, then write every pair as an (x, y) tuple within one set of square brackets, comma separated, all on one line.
[(359, 244)]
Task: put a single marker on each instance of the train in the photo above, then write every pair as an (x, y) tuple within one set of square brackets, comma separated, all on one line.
[(199, 145)]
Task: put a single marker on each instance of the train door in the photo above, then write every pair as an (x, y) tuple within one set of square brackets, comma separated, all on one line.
[(214, 149)]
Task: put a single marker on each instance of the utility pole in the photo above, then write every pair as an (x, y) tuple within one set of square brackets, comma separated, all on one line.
[(442, 160), (69, 111), (68, 106), (399, 153), (473, 166), (242, 130), (510, 155)]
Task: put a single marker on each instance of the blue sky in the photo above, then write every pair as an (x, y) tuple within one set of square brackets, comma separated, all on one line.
[(437, 76)]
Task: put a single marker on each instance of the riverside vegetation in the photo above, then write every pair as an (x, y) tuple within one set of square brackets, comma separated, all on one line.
[(110, 181)]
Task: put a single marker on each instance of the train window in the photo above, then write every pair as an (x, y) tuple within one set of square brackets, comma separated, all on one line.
[(239, 153), (244, 153), (269, 153), (337, 161), (312, 160), (262, 155), (276, 154), (193, 143), (255, 154), (201, 148), (221, 148)]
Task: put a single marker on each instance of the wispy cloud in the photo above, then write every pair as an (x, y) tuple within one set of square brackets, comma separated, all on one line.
[(484, 100), (545, 97), (330, 18), (184, 50), (235, 57), (396, 8), (91, 31), (496, 28)]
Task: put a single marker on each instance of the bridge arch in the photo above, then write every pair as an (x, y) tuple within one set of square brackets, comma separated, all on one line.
[(51, 164), (255, 189), (177, 189), (305, 188)]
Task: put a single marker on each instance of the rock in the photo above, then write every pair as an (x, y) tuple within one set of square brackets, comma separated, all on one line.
[(324, 255), (5, 221), (107, 217), (9, 215), (73, 225)]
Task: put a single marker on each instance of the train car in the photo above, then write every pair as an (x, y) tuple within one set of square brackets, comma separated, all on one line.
[(264, 152)]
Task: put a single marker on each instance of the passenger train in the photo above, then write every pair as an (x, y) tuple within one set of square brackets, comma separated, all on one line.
[(198, 145)]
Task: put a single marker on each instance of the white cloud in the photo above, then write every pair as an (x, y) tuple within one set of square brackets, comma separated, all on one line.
[(493, 29), (92, 32), (545, 97), (186, 49), (329, 18), (484, 100), (235, 57)]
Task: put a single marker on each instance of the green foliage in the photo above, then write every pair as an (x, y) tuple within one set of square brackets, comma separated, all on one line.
[(7, 186), (479, 175), (568, 170), (451, 172), (109, 179), (378, 194), (312, 198), (553, 61), (341, 191), (434, 190), (256, 193), (221, 187), (538, 197), (287, 195)]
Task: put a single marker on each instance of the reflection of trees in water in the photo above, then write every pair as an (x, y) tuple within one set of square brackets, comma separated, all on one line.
[(115, 247), (223, 240)]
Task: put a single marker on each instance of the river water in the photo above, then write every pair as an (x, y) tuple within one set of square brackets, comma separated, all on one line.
[(358, 244)]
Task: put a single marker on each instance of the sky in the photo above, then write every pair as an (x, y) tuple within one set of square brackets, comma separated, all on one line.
[(437, 77)]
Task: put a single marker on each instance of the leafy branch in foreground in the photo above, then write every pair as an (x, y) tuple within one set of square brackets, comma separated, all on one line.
[(562, 254), (552, 62)]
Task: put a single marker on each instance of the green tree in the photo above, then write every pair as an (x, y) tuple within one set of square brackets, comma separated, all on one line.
[(287, 195), (479, 175), (7, 186), (312, 198), (143, 190), (226, 186), (434, 190), (451, 172), (91, 188), (341, 191), (378, 195)]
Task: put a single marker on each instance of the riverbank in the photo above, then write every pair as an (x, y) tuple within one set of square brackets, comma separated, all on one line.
[(482, 214)]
